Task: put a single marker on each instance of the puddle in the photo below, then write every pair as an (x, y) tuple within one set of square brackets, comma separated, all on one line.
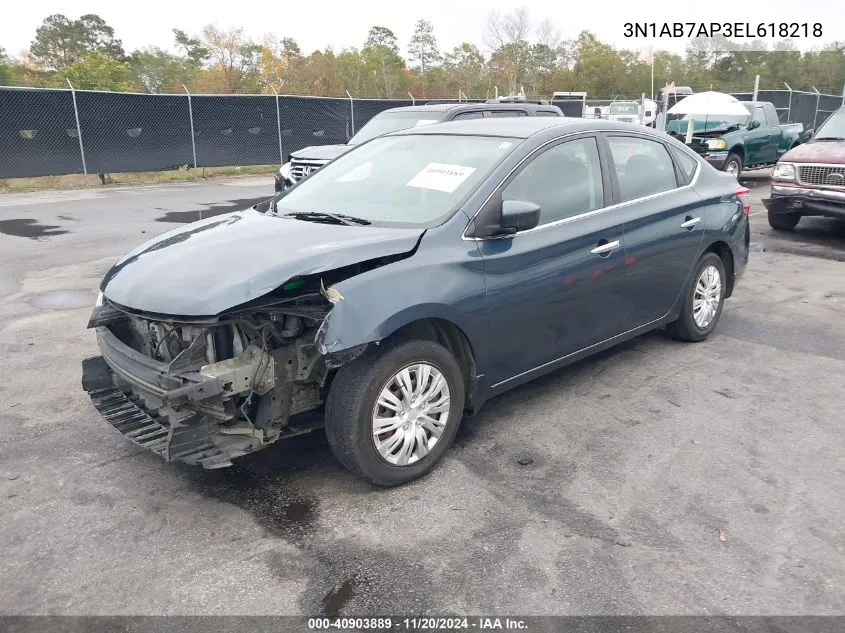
[(184, 217), (63, 300), (28, 227), (338, 597)]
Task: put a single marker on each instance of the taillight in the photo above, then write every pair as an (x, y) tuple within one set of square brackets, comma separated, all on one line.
[(744, 195)]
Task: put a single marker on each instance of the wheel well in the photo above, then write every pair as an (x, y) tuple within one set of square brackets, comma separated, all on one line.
[(724, 252), (739, 150), (449, 336)]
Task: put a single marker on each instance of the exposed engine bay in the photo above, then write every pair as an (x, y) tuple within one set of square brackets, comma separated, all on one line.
[(224, 386)]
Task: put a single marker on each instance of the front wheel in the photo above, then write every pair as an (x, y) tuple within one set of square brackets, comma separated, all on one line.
[(733, 165), (783, 221), (703, 301), (391, 415)]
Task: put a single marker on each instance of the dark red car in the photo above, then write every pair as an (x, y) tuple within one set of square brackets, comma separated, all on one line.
[(810, 179)]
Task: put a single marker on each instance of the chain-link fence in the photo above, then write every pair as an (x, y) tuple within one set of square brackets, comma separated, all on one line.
[(49, 132)]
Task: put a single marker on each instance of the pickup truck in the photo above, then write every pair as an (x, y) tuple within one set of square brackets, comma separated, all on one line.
[(736, 142), (304, 162), (810, 179)]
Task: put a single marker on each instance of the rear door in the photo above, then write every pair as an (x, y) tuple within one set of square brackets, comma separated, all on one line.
[(663, 224), (554, 289)]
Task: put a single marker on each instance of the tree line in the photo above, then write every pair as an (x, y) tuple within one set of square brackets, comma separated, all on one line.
[(516, 54)]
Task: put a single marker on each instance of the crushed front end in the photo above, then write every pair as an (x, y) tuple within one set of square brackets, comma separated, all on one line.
[(206, 390)]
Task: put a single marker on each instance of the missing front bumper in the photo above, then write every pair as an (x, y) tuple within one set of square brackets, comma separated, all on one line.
[(189, 439)]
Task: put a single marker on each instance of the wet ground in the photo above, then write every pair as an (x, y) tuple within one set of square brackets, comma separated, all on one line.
[(656, 478)]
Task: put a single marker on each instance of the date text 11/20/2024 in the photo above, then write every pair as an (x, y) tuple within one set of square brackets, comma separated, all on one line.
[(725, 29), (417, 624)]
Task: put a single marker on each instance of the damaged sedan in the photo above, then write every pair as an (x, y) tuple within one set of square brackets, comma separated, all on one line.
[(405, 283)]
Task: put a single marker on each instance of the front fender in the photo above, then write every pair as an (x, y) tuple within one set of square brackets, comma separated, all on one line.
[(440, 281), (352, 324)]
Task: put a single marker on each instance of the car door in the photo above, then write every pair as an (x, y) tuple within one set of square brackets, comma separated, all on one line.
[(758, 139), (663, 226), (552, 290), (772, 148)]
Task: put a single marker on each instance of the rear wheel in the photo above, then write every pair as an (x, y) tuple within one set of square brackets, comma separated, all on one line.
[(703, 301), (784, 221), (733, 165), (391, 416)]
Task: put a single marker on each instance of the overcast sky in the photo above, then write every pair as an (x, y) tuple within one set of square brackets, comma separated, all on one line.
[(318, 24)]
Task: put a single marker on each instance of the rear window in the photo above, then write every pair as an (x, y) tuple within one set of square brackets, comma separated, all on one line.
[(468, 115), (387, 122), (546, 113), (507, 113)]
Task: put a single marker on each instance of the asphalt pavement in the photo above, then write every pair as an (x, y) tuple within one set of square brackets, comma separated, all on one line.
[(657, 478)]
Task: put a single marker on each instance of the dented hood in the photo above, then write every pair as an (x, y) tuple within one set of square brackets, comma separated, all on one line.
[(212, 265)]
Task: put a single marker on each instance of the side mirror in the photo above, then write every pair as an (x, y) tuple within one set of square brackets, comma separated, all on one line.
[(519, 215), (753, 125)]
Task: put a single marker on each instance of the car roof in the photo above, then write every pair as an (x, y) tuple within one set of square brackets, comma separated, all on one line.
[(448, 107), (521, 127)]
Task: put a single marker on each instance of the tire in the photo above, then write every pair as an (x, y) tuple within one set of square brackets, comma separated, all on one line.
[(784, 221), (734, 161), (351, 408), (686, 328)]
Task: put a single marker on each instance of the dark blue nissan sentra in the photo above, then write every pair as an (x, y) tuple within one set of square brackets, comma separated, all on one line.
[(408, 281)]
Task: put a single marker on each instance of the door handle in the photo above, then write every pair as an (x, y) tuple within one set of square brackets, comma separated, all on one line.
[(690, 222), (606, 248)]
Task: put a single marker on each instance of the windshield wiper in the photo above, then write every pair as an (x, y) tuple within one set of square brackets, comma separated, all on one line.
[(829, 138), (340, 218)]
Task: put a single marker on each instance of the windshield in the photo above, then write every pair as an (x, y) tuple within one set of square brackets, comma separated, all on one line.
[(387, 122), (624, 108), (834, 127), (709, 121), (403, 181)]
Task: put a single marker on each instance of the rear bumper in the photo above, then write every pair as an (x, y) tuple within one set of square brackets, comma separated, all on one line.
[(171, 415), (806, 201)]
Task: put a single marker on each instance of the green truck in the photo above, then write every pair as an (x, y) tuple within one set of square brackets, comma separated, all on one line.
[(733, 143)]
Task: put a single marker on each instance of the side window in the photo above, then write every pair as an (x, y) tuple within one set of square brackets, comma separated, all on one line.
[(507, 113), (468, 115), (686, 162), (771, 115), (564, 180), (759, 116), (643, 167), (546, 113)]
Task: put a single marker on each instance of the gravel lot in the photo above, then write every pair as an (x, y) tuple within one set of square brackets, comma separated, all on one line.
[(664, 478)]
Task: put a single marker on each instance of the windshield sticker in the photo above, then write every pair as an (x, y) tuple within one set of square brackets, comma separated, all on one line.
[(360, 172), (441, 176), (425, 122)]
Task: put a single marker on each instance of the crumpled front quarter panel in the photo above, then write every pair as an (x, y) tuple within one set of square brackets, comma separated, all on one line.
[(444, 279)]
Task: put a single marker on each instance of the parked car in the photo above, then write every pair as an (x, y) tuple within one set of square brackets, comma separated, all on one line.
[(810, 179), (406, 283), (738, 142), (309, 159)]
